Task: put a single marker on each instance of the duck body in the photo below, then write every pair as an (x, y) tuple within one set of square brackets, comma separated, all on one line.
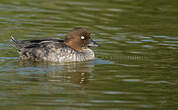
[(73, 48)]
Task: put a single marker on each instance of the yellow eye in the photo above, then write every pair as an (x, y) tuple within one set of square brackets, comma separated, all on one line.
[(82, 37)]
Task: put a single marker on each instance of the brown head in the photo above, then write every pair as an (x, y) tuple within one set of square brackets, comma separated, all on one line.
[(79, 38)]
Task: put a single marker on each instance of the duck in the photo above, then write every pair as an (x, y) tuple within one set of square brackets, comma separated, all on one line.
[(74, 47)]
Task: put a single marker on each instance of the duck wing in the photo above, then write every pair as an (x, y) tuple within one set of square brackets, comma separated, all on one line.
[(19, 44), (42, 40)]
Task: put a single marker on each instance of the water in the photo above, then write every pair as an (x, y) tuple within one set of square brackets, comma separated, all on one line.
[(136, 65)]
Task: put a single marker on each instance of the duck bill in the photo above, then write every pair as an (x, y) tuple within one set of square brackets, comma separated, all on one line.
[(92, 43)]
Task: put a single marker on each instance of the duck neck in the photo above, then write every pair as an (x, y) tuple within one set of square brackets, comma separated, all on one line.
[(74, 46)]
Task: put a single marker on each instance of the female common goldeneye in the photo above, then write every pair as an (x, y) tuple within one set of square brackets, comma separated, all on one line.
[(75, 47)]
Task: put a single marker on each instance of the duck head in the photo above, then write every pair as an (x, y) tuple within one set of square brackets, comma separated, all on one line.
[(79, 38)]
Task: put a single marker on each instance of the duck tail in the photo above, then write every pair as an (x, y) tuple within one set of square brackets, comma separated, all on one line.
[(15, 43)]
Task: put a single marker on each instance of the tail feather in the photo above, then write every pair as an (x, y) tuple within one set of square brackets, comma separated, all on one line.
[(16, 43)]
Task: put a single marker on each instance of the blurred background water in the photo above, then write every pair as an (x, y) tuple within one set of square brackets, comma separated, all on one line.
[(136, 65)]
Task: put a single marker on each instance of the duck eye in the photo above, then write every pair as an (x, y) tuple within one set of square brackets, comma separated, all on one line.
[(82, 37)]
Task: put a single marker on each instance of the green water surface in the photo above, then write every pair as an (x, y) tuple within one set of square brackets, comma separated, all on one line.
[(136, 67)]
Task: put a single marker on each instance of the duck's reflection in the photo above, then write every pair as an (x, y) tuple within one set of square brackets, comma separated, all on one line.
[(75, 72)]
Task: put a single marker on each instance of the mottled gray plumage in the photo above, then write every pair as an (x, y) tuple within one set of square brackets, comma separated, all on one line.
[(57, 50)]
